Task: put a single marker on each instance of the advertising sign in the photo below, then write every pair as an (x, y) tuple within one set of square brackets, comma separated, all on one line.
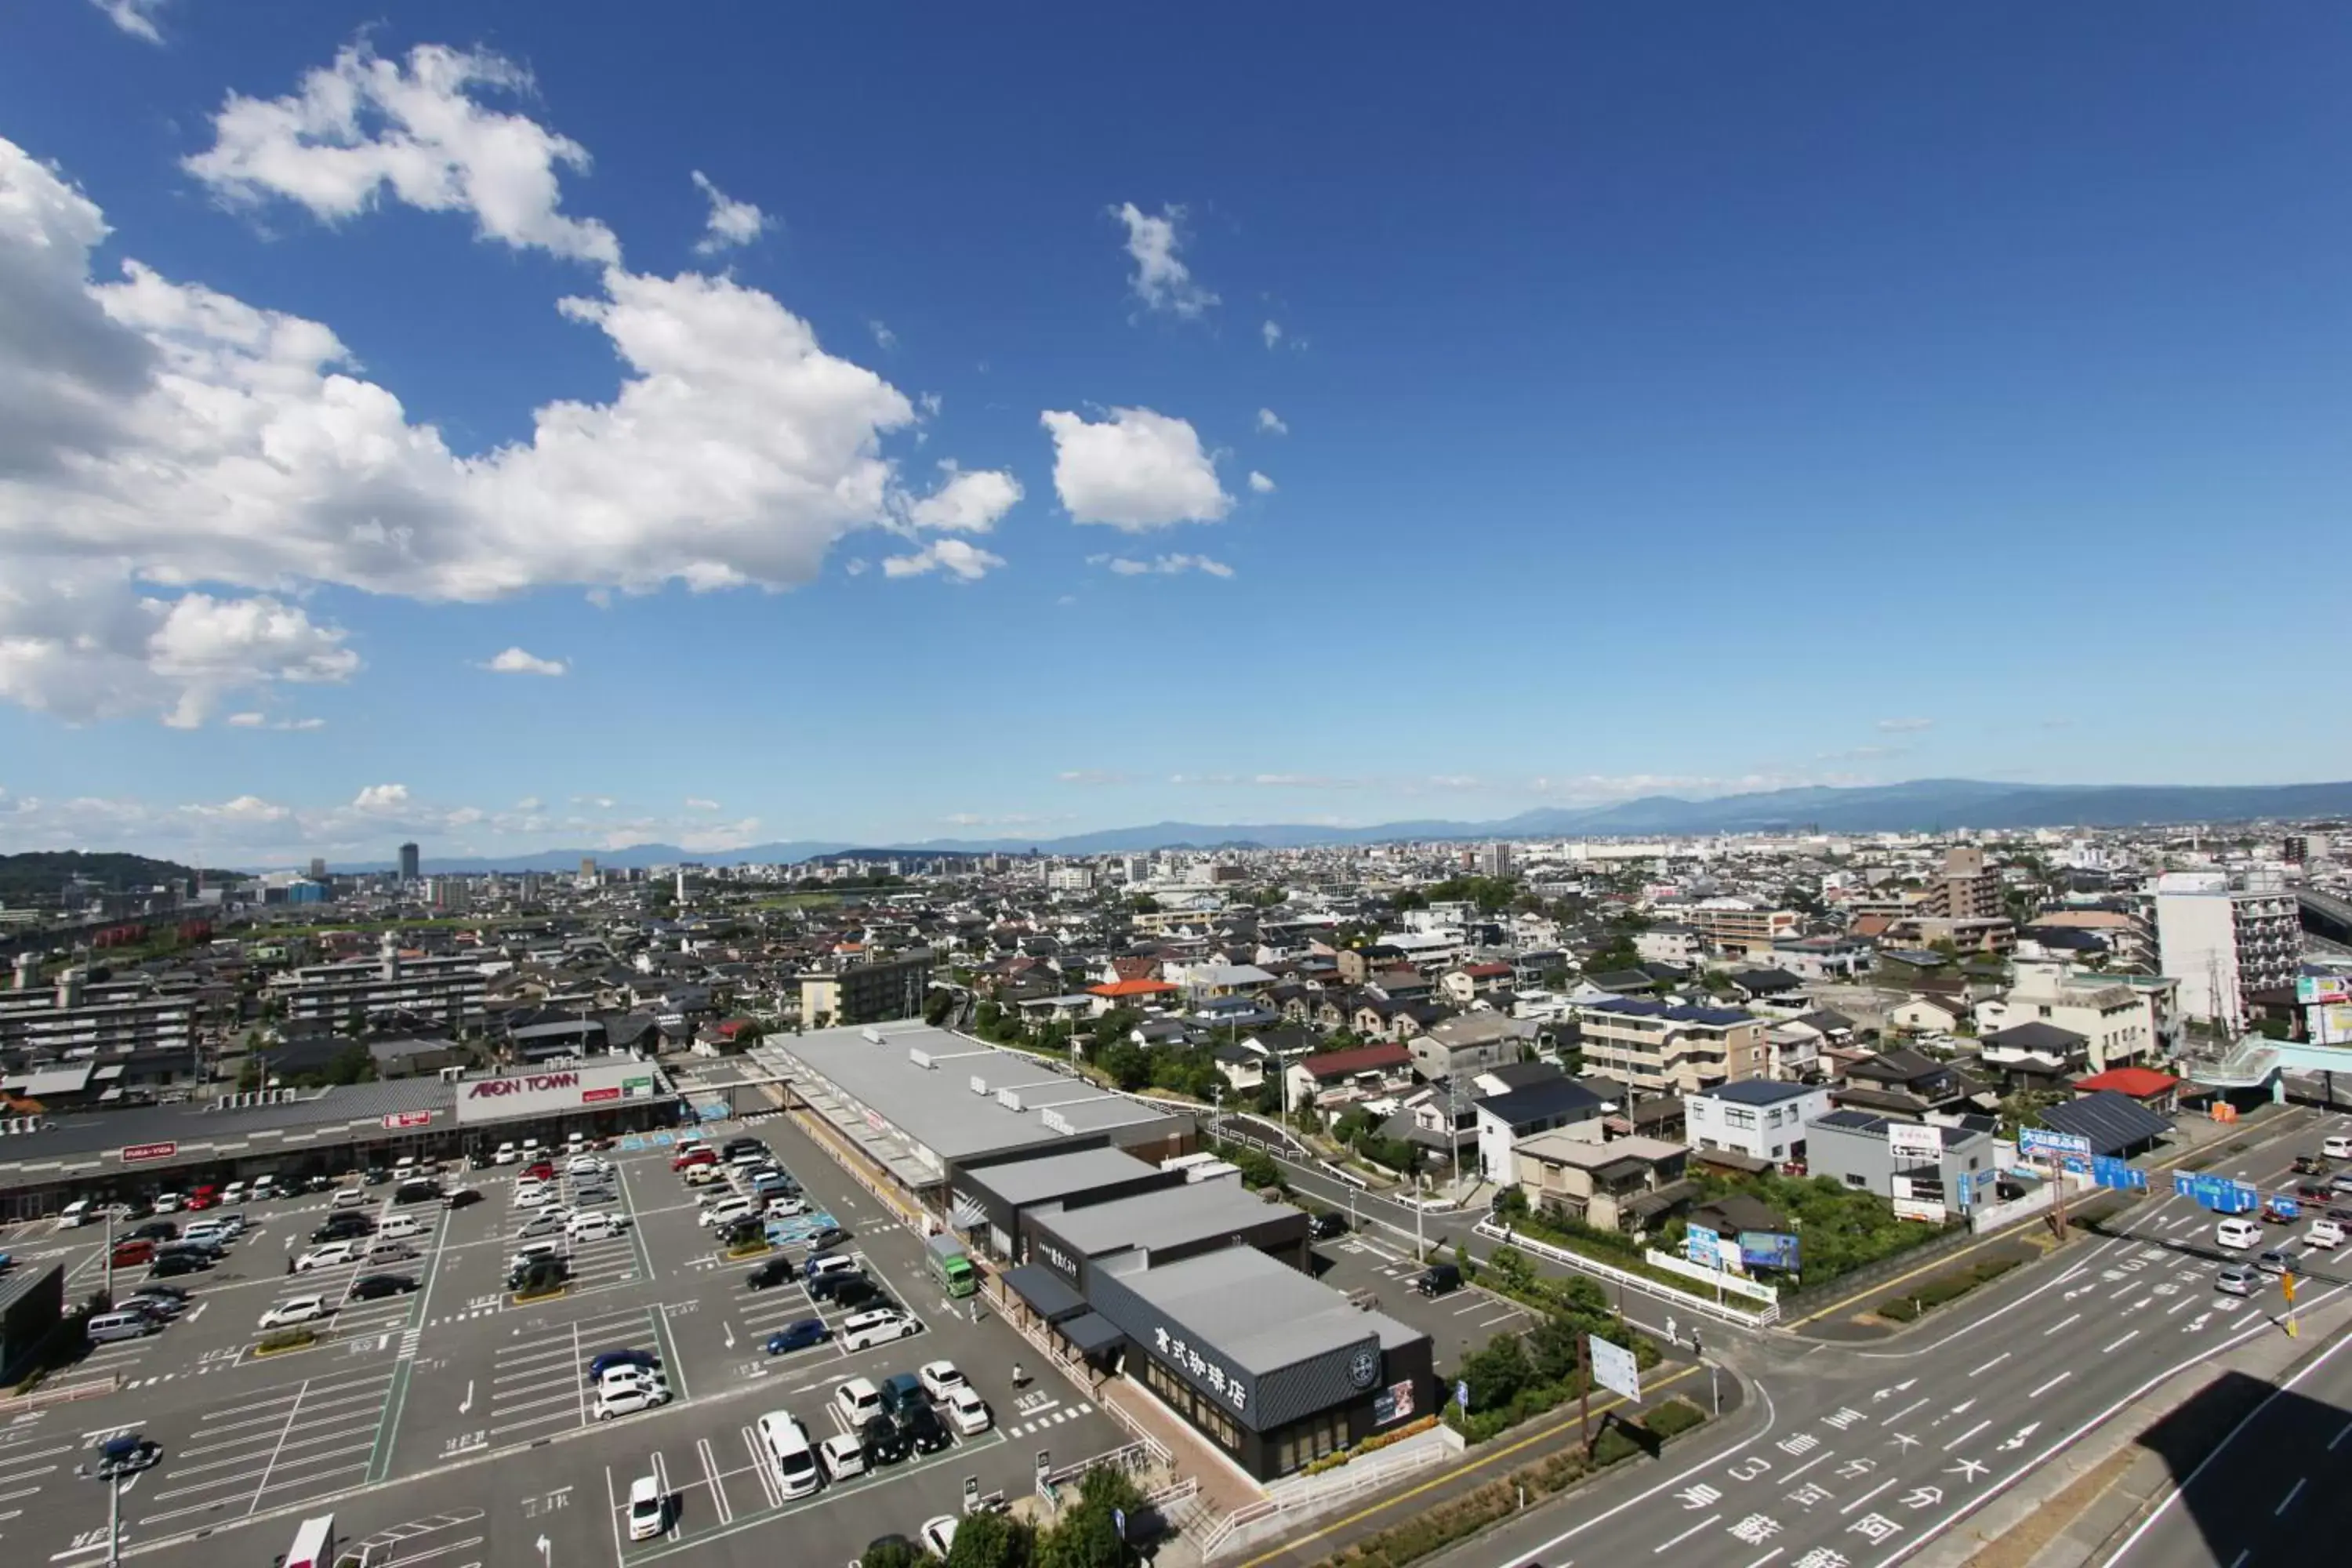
[(2331, 1024), (1911, 1144), (1768, 1250), (1613, 1368), (1702, 1247), (138, 1151), (2323, 990), (2039, 1144), (399, 1119), (595, 1096), (1392, 1404), (547, 1093)]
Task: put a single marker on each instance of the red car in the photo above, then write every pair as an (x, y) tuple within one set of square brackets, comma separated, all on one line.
[(543, 1172), (132, 1254), (692, 1158), (205, 1197)]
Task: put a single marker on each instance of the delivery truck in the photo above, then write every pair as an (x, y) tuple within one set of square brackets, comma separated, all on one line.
[(955, 1272)]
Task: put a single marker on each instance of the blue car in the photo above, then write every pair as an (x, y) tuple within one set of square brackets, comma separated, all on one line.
[(606, 1360), (798, 1336)]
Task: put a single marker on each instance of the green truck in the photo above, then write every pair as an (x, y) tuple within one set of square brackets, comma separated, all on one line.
[(955, 1272)]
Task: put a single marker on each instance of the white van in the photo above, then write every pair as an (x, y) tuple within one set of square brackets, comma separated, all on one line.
[(2237, 1234), (109, 1327), (314, 1544), (2337, 1148), (593, 1226), (399, 1226), (81, 1211), (787, 1444)]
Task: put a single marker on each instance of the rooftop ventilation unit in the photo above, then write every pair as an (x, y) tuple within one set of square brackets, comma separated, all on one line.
[(1007, 1099), (873, 1035), (979, 1084), (921, 1059)]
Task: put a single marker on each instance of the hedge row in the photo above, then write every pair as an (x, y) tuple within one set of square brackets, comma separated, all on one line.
[(1457, 1519), (1943, 1288)]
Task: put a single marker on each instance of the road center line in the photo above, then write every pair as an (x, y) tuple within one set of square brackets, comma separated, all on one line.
[(1890, 1420), (2293, 1492), (1868, 1495), (1703, 1524), (1966, 1435), (2119, 1343), (1768, 1557), (1808, 1464), (2065, 1322), (1988, 1366), (2339, 1437), (2049, 1386)]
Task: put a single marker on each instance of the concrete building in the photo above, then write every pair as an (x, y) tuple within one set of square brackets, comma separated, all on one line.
[(875, 991), (1967, 890), (1505, 1119), (2117, 1023), (2224, 943), (104, 1018), (1495, 860), (1738, 927), (1851, 1147), (1757, 1117), (1658, 1047), (449, 989), (409, 863), (1625, 1183)]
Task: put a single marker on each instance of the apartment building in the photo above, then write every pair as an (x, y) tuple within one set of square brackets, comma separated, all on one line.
[(1966, 890), (108, 1017), (1664, 1048), (2117, 1023), (1738, 927), (2223, 943), (449, 988), (873, 992)]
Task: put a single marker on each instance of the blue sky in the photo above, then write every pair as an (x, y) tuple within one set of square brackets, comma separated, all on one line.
[(1685, 399)]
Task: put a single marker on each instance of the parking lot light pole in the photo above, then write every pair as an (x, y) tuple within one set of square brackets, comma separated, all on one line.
[(114, 1521)]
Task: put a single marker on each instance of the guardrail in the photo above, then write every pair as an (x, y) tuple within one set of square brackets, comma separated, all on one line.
[(1350, 1480), (62, 1394), (1762, 1318)]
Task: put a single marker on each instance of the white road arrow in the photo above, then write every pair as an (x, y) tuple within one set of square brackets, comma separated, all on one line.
[(468, 1403), (731, 1336), (1899, 1388), (2027, 1430)]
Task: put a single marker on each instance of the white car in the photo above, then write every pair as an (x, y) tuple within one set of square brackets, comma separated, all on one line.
[(232, 1194), (786, 1206), (587, 1165), (207, 1230), (507, 1155), (842, 1455), (648, 1509), (968, 1412), (295, 1310), (400, 1224), (939, 1535), (2324, 1233), (348, 1198), (857, 1400), (864, 1330), (630, 1376), (593, 1226), (334, 1254), (168, 1202), (940, 1378), (628, 1398), (724, 1210)]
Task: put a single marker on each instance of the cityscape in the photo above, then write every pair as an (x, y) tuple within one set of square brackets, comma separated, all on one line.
[(1268, 789)]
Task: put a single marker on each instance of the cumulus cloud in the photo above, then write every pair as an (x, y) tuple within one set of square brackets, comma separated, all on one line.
[(732, 223), (1136, 470), (1259, 484), (1166, 565), (158, 434), (1272, 332), (1161, 280), (136, 18), (1905, 726), (515, 661), (884, 337), (383, 798), (1269, 423), (694, 804), (255, 720), (966, 562), (966, 502)]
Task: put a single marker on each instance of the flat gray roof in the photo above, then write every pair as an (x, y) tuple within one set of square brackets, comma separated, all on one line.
[(72, 1140), (937, 1105), (1024, 1181), (1171, 1217), (1262, 1314)]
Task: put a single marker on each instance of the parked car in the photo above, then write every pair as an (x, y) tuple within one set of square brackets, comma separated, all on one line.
[(774, 1271), (842, 1455), (348, 1198), (546, 1222), (295, 1310), (132, 1254), (855, 1292), (919, 1424), (828, 1286), (2274, 1261), (605, 1362), (864, 1330), (533, 1279), (628, 1398), (798, 1336), (968, 1411), (1326, 1224), (507, 1155), (724, 1210), (856, 1399), (108, 1327), (154, 1230), (539, 1171), (648, 1509), (376, 1175), (462, 1197), (883, 1443), (691, 1158), (2311, 1164), (369, 1287), (939, 1534), (2315, 1192), (901, 1392), (785, 1205), (168, 1202), (1437, 1280), (939, 1378), (829, 1236), (2325, 1233), (166, 1265)]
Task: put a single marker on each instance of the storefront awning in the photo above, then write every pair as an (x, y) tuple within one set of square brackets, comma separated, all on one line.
[(1047, 1294), (1092, 1333)]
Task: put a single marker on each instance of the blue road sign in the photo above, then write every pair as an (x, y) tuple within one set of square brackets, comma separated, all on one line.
[(1462, 1393), (2219, 1194), (2286, 1208), (2120, 1175)]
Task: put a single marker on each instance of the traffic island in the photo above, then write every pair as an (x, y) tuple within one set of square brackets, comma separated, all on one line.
[(525, 1299), (1941, 1290), (285, 1342), (747, 1249)]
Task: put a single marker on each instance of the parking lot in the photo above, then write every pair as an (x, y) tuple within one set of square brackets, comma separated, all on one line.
[(1457, 1322), (458, 1418)]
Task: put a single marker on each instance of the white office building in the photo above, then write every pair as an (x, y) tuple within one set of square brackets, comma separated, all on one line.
[(2224, 943)]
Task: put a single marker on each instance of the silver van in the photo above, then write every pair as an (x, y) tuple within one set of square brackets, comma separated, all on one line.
[(109, 1327)]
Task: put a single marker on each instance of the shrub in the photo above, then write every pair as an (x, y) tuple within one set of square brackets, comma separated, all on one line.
[(286, 1339), (1675, 1417), (1944, 1288)]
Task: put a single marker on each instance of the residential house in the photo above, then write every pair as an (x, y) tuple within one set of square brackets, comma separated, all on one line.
[(2117, 1024), (1928, 1014), (1341, 1077), (1376, 1017), (1770, 985), (1243, 1066), (1667, 941), (1758, 1118), (1900, 1081), (1466, 984), (1129, 993), (1627, 1183), (1821, 958), (2035, 1050), (1504, 1120), (1469, 1044)]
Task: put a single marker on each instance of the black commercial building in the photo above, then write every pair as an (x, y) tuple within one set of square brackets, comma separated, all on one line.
[(1163, 1227), (991, 1203)]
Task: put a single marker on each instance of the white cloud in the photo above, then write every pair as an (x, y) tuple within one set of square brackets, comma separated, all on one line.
[(732, 223), (381, 799), (1269, 423), (884, 337), (529, 803), (1168, 566), (1266, 781), (263, 722), (1161, 280), (1136, 470), (155, 433), (1095, 776), (1272, 332), (966, 502), (694, 804), (515, 661), (247, 720), (365, 125), (1859, 754), (1259, 484), (958, 560), (136, 18), (1905, 726)]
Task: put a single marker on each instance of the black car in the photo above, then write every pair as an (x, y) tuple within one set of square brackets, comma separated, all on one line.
[(827, 1287), (1326, 1224), (120, 1456), (367, 1287), (154, 1230), (167, 1264), (883, 1442), (150, 1303), (320, 1182), (544, 1274), (464, 1197), (921, 1426), (743, 1232), (856, 1293), (344, 1227), (375, 1176), (420, 1191), (776, 1272), (830, 1236), (176, 1292), (734, 1146)]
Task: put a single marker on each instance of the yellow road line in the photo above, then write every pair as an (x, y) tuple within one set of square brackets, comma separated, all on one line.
[(1450, 1476)]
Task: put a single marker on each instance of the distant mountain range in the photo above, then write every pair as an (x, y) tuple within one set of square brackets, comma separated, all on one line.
[(1920, 806)]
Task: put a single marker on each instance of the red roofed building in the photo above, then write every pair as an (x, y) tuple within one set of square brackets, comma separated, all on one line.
[(1128, 993), (1337, 1077), (2159, 1091)]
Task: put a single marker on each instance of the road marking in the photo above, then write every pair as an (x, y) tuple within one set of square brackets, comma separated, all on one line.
[(2119, 1344), (1988, 1366), (1685, 1535), (1808, 1464), (2067, 1321), (1902, 1413), (1868, 1495), (1966, 1435), (2051, 1384), (1768, 1557), (2293, 1492), (2339, 1437)]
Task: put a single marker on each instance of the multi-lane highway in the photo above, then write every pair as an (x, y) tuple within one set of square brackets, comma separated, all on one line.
[(1856, 1458)]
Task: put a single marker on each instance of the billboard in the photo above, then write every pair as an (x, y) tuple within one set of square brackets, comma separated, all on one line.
[(2330, 1024), (1392, 1404), (1768, 1250), (522, 1094), (1702, 1247), (1914, 1144), (1614, 1368), (2323, 990), (399, 1121), (138, 1151), (2038, 1144)]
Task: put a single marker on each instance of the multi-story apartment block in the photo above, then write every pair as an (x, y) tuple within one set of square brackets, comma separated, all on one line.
[(1966, 890), (1738, 927), (447, 988), (107, 1019), (1660, 1048), (2119, 1024), (2224, 943)]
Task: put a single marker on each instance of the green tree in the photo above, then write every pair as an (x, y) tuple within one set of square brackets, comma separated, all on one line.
[(936, 1008), (1086, 1535), (894, 1552), (1116, 1025), (992, 1540)]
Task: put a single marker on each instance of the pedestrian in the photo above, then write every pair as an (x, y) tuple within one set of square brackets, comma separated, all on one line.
[(1019, 1377)]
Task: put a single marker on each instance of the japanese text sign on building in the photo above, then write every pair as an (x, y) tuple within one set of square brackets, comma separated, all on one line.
[(1205, 1372), (2040, 1143)]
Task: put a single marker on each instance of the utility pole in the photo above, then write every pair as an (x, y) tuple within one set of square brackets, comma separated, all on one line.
[(114, 1521)]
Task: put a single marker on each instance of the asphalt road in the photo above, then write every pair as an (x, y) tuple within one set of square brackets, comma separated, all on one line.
[(1850, 1457), (457, 1420)]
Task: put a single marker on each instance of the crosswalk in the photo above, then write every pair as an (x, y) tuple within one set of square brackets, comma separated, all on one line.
[(1053, 1417)]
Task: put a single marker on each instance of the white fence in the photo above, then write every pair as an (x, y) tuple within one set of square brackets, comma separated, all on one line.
[(1304, 1497), (1985, 1219), (1721, 1279), (1762, 1318)]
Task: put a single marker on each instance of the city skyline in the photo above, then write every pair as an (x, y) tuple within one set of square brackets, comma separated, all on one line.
[(515, 437)]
